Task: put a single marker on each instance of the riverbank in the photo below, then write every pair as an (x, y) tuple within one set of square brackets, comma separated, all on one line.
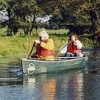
[(22, 45), (19, 45)]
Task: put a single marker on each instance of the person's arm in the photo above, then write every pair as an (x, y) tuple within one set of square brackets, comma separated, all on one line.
[(49, 45), (78, 44), (36, 42)]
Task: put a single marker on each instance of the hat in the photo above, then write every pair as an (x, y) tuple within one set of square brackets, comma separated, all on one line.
[(44, 34)]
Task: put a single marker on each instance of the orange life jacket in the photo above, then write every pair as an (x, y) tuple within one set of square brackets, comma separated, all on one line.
[(72, 48), (45, 52)]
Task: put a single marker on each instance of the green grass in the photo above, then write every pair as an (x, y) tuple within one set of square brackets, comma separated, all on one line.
[(21, 45), (14, 45)]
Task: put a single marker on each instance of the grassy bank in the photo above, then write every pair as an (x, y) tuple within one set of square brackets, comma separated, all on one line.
[(21, 45)]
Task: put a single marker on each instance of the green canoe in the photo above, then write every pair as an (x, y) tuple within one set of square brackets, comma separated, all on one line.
[(34, 66)]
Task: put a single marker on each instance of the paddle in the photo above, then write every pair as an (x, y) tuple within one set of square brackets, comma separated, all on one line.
[(31, 51), (62, 49)]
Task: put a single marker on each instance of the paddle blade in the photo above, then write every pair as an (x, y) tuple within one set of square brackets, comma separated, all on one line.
[(63, 49)]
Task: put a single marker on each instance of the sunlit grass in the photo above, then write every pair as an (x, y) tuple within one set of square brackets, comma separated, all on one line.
[(19, 45), (22, 45)]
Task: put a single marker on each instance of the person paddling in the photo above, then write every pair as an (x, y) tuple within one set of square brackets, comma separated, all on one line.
[(74, 46), (44, 47)]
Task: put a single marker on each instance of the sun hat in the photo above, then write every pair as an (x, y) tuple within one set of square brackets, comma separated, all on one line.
[(43, 34)]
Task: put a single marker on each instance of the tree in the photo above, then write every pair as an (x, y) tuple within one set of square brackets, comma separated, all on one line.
[(76, 12), (24, 14)]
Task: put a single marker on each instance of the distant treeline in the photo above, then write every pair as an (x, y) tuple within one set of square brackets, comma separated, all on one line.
[(78, 29)]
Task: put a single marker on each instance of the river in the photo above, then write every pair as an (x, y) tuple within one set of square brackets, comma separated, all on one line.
[(69, 85)]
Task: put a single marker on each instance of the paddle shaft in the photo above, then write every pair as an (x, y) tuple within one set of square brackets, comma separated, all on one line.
[(32, 49)]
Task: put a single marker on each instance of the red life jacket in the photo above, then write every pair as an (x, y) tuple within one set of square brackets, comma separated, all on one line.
[(72, 48)]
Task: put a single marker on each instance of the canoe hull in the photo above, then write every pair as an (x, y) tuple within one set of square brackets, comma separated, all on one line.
[(37, 66)]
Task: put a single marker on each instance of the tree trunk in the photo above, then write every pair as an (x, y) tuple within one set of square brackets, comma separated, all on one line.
[(93, 17)]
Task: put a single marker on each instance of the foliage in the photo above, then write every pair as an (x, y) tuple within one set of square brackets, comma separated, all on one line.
[(73, 12), (23, 13), (3, 4)]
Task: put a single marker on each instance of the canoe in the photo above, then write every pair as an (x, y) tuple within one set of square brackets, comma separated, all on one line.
[(34, 66)]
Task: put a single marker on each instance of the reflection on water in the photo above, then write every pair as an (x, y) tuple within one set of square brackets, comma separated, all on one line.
[(94, 59), (91, 87), (74, 85), (43, 87), (57, 86), (65, 86)]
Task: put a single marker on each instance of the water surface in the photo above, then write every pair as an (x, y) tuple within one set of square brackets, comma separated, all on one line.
[(69, 85)]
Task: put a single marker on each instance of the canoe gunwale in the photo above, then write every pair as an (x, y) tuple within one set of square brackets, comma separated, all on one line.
[(57, 59)]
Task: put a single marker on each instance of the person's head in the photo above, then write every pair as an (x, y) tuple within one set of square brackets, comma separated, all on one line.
[(73, 37), (43, 35)]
